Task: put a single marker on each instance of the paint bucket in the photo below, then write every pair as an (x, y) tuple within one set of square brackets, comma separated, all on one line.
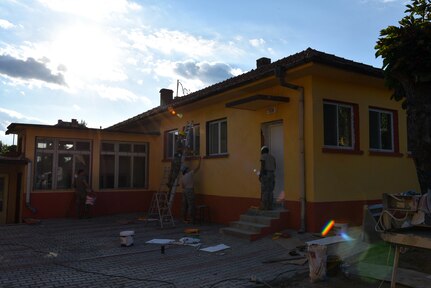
[(126, 238), (333, 263)]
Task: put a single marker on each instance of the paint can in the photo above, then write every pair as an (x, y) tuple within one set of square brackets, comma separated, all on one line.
[(126, 238)]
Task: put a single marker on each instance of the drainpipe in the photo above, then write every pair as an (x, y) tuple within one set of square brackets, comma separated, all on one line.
[(28, 188), (280, 73)]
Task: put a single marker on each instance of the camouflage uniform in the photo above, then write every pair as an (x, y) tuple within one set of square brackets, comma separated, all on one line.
[(267, 180)]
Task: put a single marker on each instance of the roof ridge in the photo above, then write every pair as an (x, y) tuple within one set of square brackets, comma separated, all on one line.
[(297, 59)]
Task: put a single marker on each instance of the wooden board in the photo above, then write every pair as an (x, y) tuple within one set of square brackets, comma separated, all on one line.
[(415, 238)]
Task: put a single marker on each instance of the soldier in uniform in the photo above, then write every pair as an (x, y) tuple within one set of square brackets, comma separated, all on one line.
[(267, 178)]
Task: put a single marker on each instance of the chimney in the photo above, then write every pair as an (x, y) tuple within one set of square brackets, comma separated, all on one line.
[(262, 62), (166, 96)]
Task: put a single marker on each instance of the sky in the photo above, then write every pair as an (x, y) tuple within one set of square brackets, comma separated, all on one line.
[(104, 61)]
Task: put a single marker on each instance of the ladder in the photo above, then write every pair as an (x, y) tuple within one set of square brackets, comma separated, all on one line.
[(182, 147), (159, 208), (161, 203)]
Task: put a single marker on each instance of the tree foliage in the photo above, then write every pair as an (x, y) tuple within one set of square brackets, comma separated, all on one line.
[(406, 50), (406, 54)]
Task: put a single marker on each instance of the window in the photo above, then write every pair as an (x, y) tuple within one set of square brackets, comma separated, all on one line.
[(123, 165), (217, 137), (194, 142), (170, 143), (339, 125), (381, 123), (57, 161)]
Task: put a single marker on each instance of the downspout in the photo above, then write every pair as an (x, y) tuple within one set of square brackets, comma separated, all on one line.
[(280, 73), (28, 188)]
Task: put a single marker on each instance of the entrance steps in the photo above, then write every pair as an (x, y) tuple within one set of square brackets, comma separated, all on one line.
[(255, 224)]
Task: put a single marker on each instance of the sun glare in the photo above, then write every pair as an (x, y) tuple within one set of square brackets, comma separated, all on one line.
[(88, 53)]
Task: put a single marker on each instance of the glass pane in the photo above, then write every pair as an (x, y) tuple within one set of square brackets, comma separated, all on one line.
[(344, 126), (374, 130), (170, 145), (386, 130), (125, 171), (140, 148), (108, 147), (125, 147), (213, 139), (45, 144), (43, 171), (139, 173), (330, 124), (107, 171), (83, 146), (196, 141), (65, 145), (83, 162), (64, 171), (223, 137)]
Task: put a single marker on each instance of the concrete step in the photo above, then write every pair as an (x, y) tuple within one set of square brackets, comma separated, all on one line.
[(248, 226), (256, 219), (267, 213), (239, 233)]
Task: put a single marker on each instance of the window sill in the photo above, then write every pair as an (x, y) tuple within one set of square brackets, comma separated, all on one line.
[(187, 158), (342, 151), (388, 154), (216, 156)]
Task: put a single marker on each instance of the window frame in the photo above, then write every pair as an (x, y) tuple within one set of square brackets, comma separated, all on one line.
[(195, 141), (55, 152), (395, 133), (354, 148), (219, 153), (171, 146), (117, 155)]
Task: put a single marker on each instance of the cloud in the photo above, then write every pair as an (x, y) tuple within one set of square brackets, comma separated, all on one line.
[(207, 72), (28, 69), (171, 43), (257, 42), (118, 94), (94, 9), (11, 115), (6, 24)]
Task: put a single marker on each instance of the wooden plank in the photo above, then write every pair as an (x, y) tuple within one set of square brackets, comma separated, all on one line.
[(405, 277), (415, 240)]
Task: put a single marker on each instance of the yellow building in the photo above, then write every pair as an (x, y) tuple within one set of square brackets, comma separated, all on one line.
[(338, 139)]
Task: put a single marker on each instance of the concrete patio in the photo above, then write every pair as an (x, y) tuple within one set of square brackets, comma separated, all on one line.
[(87, 253)]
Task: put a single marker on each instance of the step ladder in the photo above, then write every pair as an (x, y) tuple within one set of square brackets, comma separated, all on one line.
[(160, 209)]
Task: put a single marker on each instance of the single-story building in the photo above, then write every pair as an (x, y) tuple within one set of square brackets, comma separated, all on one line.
[(338, 139)]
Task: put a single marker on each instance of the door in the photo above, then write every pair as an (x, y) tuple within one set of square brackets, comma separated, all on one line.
[(273, 138), (3, 197)]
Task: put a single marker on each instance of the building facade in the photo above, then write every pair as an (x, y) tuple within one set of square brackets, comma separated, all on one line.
[(330, 123)]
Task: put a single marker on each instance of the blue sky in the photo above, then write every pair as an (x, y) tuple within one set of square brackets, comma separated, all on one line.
[(104, 61)]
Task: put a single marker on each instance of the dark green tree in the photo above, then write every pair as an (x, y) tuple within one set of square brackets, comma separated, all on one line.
[(406, 54)]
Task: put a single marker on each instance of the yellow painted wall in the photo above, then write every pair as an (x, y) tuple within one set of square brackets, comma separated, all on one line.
[(233, 176), (344, 177)]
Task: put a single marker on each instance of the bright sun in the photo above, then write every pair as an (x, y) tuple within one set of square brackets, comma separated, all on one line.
[(89, 53)]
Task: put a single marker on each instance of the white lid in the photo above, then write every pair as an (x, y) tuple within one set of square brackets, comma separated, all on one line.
[(127, 233)]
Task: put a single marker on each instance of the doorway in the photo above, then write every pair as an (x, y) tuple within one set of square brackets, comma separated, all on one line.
[(272, 136), (3, 197)]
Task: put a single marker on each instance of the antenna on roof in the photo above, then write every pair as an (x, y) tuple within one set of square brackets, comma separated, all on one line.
[(185, 90)]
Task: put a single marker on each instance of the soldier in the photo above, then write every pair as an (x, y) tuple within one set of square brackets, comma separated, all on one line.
[(267, 178)]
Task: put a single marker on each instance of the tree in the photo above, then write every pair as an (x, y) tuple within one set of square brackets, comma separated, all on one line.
[(406, 54)]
